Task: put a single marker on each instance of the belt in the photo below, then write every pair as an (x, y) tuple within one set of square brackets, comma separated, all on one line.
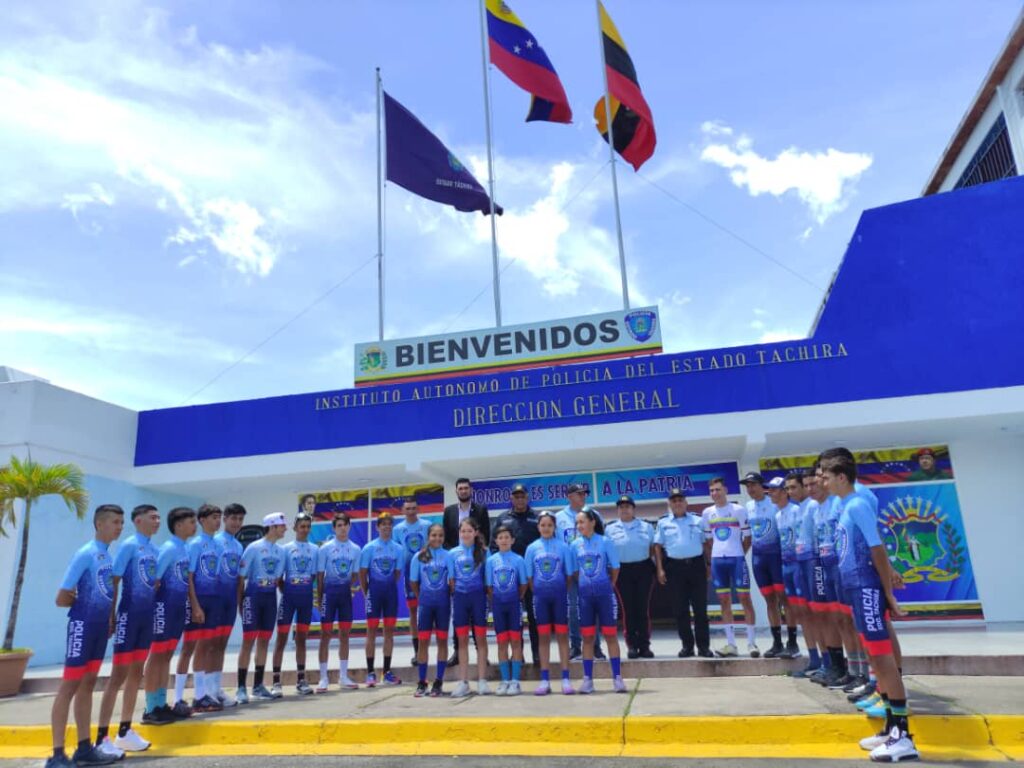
[(686, 559)]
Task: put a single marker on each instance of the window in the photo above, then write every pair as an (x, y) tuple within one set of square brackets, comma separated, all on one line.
[(993, 160)]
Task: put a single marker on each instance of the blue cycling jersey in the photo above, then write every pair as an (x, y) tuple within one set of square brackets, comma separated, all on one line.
[(413, 537), (504, 573), (594, 556), (135, 565), (764, 529), (300, 561), (172, 570), (806, 543), (91, 574), (262, 565), (230, 558), (338, 561), (466, 571), (856, 534), (204, 562), (433, 577), (788, 519), (382, 560), (826, 518), (549, 562)]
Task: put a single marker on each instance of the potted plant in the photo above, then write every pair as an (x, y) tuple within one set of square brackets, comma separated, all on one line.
[(29, 481)]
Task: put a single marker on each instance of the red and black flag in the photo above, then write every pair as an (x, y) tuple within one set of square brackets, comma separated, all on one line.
[(632, 123)]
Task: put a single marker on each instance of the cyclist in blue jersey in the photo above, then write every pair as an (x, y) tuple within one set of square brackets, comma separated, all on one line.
[(505, 576), (380, 570), (869, 580), (300, 564), (565, 519), (170, 605), (87, 589), (411, 533), (786, 518), (338, 573), (200, 634), (550, 566), (430, 575), (469, 605), (766, 559), (259, 575), (231, 557), (135, 571), (597, 568)]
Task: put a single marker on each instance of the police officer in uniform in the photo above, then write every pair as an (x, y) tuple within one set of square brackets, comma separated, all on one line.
[(633, 539), (680, 563), (522, 521)]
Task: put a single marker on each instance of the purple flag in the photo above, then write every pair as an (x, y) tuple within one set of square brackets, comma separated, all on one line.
[(418, 161)]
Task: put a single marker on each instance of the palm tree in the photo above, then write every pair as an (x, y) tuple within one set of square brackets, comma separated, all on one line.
[(30, 481)]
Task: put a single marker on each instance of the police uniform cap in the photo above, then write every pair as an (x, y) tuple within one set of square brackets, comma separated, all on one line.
[(676, 493), (518, 488), (626, 500)]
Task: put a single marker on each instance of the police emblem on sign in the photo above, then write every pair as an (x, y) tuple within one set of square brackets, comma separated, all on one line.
[(372, 360), (641, 324)]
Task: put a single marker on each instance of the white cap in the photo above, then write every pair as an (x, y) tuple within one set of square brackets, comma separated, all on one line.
[(274, 518)]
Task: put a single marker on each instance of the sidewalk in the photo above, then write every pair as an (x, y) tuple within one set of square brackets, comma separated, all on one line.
[(954, 718)]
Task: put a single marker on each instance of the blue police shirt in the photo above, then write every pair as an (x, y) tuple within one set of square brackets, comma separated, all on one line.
[(594, 556), (856, 534), (135, 565), (338, 561), (764, 530), (549, 562), (262, 565), (91, 574), (565, 523), (632, 540), (505, 572), (681, 537), (433, 576), (382, 560)]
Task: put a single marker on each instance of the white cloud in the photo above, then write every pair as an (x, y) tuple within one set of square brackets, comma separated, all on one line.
[(226, 144), (822, 180), (781, 334)]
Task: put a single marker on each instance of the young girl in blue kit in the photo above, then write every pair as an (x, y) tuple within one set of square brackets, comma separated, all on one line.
[(430, 577), (549, 566), (469, 604), (597, 568), (506, 585)]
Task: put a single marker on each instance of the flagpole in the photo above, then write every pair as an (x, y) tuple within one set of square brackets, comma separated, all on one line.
[(611, 153), (485, 59), (380, 219)]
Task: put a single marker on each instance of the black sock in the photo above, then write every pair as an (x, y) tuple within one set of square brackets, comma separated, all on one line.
[(101, 733), (888, 711), (84, 745), (776, 635), (59, 752), (838, 661), (243, 673), (301, 675), (122, 730), (277, 675), (792, 635), (257, 678), (898, 714), (387, 664), (369, 665), (416, 644)]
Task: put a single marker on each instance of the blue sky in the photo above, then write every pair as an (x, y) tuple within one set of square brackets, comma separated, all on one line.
[(180, 180)]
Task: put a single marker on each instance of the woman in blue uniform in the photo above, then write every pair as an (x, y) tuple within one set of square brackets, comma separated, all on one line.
[(597, 568), (633, 540)]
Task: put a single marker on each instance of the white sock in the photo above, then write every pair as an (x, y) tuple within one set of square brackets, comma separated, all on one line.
[(730, 634), (179, 686), (751, 634), (217, 683), (199, 683), (323, 672), (343, 668)]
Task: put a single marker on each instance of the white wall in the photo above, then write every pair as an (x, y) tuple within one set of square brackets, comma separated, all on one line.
[(987, 473)]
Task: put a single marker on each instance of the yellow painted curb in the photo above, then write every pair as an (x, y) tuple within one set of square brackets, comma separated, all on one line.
[(955, 738)]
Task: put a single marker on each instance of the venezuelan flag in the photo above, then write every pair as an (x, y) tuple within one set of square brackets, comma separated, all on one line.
[(632, 122), (517, 53)]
